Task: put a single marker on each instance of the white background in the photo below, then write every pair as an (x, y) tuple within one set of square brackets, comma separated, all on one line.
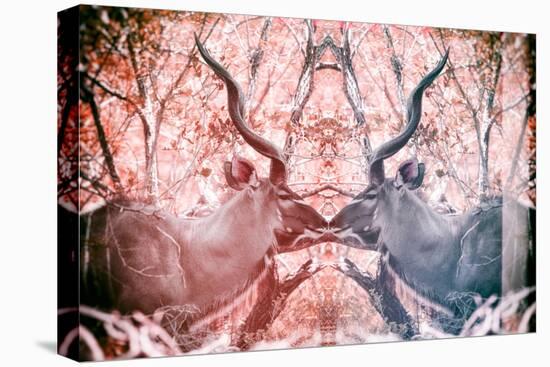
[(28, 181)]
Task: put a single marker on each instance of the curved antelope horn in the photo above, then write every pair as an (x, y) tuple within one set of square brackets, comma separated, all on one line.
[(414, 112), (235, 104)]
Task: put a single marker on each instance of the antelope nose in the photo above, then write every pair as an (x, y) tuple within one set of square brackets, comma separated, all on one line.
[(345, 217), (338, 222)]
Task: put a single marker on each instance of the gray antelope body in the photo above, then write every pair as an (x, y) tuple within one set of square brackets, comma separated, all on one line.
[(139, 258), (439, 256)]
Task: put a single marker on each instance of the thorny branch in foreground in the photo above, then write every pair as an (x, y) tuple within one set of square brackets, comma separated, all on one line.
[(510, 313), (494, 315), (142, 335), (139, 335)]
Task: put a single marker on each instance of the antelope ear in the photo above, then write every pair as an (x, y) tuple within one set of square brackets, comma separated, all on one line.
[(410, 173), (240, 173)]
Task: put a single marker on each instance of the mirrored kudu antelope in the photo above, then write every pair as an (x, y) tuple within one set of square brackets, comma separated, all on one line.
[(150, 259), (439, 256)]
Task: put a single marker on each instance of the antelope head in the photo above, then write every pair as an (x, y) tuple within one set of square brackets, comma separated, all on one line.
[(387, 200), (294, 220)]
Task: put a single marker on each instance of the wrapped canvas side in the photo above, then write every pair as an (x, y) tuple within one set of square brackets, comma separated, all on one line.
[(67, 209)]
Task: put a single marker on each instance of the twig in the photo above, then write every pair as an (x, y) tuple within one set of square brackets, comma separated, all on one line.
[(327, 187), (178, 250)]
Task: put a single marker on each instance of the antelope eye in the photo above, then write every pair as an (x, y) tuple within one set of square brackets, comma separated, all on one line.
[(370, 195), (285, 196)]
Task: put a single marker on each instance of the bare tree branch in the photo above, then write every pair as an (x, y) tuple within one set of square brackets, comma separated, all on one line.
[(88, 97)]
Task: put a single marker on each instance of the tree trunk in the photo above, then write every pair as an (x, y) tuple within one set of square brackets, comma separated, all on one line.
[(150, 126), (531, 63), (271, 302), (87, 96), (151, 129), (305, 83), (382, 295), (487, 121), (255, 60), (397, 68)]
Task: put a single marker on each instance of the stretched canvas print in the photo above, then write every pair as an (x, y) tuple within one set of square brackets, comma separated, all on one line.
[(234, 182)]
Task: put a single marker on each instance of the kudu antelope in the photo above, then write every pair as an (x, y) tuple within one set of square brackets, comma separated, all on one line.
[(151, 258), (439, 256)]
